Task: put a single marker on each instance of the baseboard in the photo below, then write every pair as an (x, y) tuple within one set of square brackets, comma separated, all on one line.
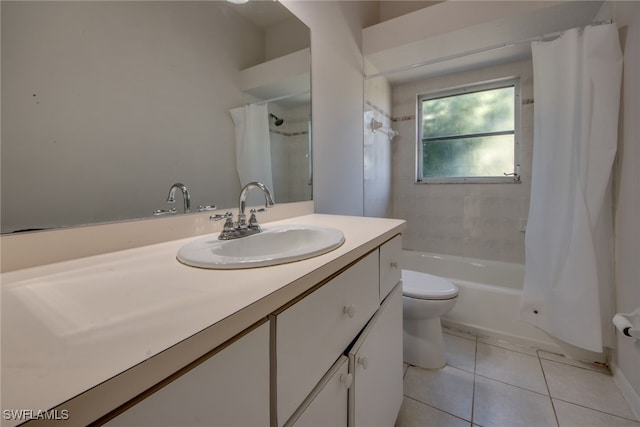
[(480, 331), (554, 346), (627, 391)]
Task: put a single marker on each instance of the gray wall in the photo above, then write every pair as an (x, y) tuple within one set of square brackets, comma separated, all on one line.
[(337, 87)]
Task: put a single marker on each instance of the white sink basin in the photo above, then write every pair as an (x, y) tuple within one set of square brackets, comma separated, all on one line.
[(275, 245)]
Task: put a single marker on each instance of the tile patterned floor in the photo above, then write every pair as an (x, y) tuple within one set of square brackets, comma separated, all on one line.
[(490, 383)]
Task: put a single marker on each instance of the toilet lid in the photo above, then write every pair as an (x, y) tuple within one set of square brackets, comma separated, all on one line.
[(427, 286)]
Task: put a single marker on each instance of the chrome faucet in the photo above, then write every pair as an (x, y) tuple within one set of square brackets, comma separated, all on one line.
[(186, 197), (268, 202), (242, 228)]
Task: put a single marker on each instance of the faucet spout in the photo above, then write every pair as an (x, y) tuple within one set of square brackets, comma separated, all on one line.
[(242, 228), (268, 200), (186, 197)]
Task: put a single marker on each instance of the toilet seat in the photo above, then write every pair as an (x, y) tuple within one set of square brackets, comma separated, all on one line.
[(427, 286)]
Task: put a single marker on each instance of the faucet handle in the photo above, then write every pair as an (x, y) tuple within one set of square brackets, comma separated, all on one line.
[(228, 224), (159, 212), (206, 208), (253, 221), (218, 217)]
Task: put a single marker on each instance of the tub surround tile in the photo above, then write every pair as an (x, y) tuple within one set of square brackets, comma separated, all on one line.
[(570, 415), (449, 389), (491, 213), (586, 388), (497, 404), (417, 414)]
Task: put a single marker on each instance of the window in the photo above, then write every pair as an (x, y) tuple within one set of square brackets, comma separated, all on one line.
[(469, 134)]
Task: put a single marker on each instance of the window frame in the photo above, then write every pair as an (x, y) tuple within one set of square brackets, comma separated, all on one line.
[(509, 177)]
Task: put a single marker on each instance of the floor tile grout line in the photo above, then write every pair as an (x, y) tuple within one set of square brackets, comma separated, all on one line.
[(515, 348), (546, 383), (589, 366), (597, 369), (436, 408), (513, 385), (608, 373), (511, 349), (596, 410), (473, 391)]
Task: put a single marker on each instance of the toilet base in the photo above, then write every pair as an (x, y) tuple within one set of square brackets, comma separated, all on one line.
[(423, 344)]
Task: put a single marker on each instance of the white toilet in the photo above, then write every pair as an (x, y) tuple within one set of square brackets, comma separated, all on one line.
[(425, 298)]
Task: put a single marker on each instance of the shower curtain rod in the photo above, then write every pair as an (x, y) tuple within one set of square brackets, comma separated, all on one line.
[(474, 52)]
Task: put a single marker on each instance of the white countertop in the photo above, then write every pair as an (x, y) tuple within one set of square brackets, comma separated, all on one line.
[(79, 329)]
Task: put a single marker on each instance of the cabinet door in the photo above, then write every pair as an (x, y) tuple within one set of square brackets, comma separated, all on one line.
[(311, 334), (327, 404), (375, 361), (231, 388), (390, 265)]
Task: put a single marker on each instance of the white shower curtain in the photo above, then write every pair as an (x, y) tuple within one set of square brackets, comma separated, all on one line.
[(253, 146), (569, 241)]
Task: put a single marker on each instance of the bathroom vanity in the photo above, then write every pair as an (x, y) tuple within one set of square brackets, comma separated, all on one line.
[(136, 338)]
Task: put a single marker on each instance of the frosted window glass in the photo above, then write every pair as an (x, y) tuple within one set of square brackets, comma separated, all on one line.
[(469, 133)]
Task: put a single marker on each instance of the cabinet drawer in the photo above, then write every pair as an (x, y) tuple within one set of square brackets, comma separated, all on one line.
[(390, 265), (311, 334)]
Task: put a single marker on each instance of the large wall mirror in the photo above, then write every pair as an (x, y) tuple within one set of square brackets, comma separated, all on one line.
[(106, 105)]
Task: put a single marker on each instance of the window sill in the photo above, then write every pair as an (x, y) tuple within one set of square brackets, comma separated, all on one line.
[(471, 180)]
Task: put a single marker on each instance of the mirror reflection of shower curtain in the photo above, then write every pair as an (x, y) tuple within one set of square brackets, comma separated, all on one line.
[(253, 147), (568, 289)]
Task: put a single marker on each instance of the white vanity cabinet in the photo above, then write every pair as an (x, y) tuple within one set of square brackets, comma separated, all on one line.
[(251, 347), (231, 388), (312, 334), (390, 271), (331, 357), (327, 403), (343, 317), (375, 362)]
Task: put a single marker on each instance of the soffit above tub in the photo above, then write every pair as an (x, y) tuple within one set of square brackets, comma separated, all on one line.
[(452, 28)]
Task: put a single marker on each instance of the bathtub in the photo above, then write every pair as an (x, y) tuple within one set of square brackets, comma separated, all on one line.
[(488, 300)]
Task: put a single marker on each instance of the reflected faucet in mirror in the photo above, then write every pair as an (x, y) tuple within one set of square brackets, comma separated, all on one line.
[(186, 197), (242, 228), (171, 198)]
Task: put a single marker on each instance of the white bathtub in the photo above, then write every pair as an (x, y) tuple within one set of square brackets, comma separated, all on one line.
[(488, 300)]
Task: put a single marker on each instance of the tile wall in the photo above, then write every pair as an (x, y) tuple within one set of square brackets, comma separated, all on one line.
[(474, 220), (377, 149), (290, 154)]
